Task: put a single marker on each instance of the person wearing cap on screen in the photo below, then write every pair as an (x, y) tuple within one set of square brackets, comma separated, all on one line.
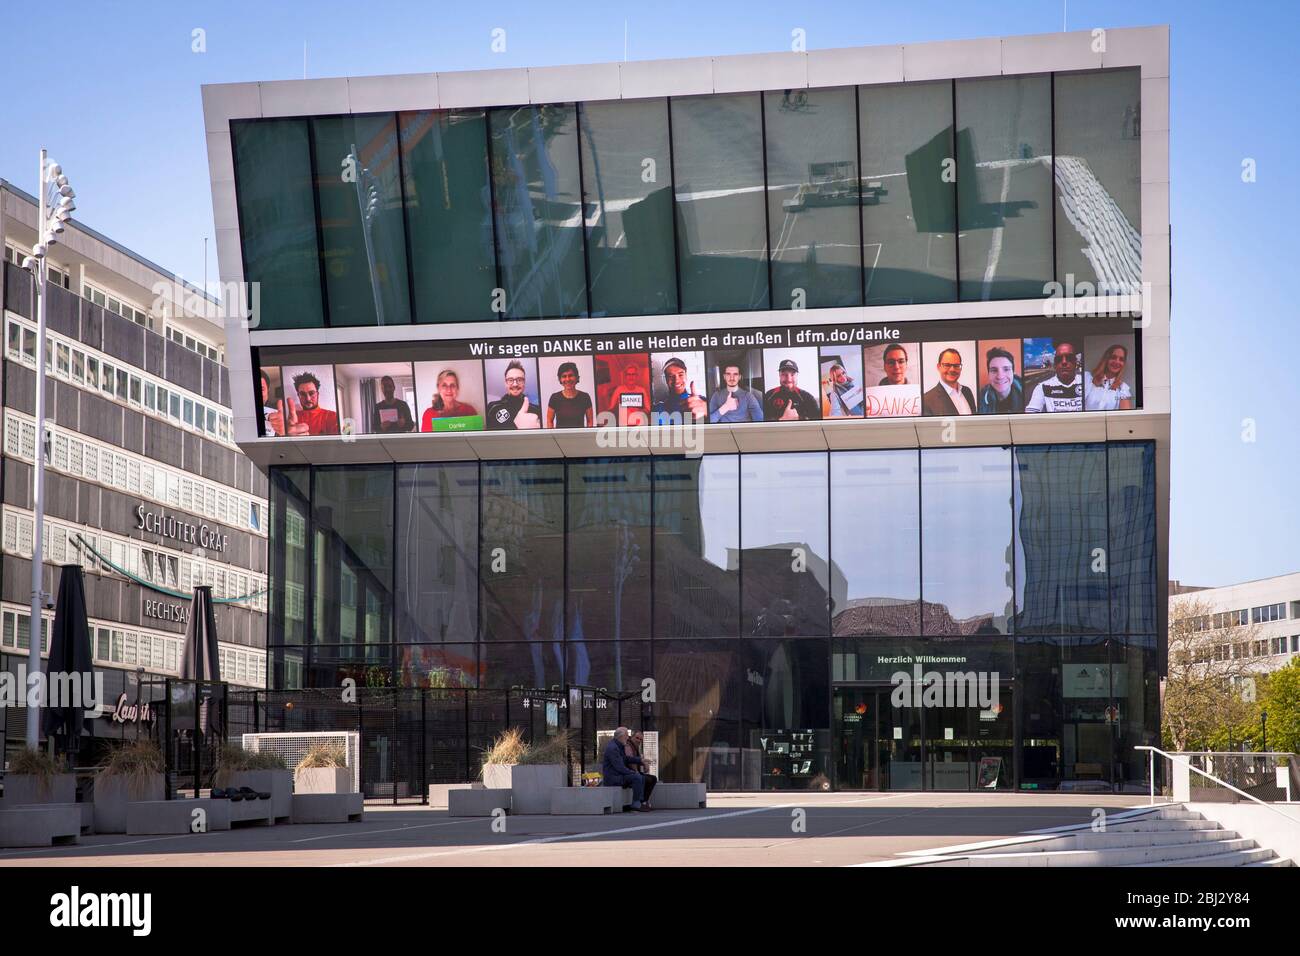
[(682, 401), (788, 402), (1063, 392)]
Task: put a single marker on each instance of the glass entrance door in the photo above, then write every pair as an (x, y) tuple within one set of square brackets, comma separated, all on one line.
[(879, 746)]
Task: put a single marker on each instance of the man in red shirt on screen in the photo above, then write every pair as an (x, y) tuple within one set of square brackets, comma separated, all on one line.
[(306, 417)]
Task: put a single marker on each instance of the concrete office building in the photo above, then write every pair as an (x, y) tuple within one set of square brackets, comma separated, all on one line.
[(145, 486), (747, 384), (1255, 621)]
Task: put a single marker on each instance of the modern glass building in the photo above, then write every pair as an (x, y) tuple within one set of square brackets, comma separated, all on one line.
[(817, 400)]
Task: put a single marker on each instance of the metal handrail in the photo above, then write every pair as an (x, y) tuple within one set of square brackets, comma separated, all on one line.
[(1222, 783)]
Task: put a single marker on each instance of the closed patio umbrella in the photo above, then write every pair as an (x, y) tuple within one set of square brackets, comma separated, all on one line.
[(200, 660), (70, 655)]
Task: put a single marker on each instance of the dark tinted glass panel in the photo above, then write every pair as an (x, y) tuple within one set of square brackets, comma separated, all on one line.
[(785, 713), (718, 183), (287, 668), (785, 566), (1004, 186), (697, 546), (614, 665), (909, 206), (1061, 562), (368, 666), (1098, 121), (277, 221), (697, 714), (437, 548), (352, 525), (521, 557), (437, 665), (1087, 690), (609, 549), (449, 215), (627, 192), (1136, 679), (1038, 698), (535, 664), (362, 233), (290, 500), (812, 198), (1132, 555), (965, 540), (538, 196), (875, 542)]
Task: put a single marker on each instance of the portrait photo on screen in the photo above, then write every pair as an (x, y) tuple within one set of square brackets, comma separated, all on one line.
[(678, 387), (311, 406), (377, 397), (568, 382), (1001, 390), (893, 376), (735, 385), (788, 374), (949, 379), (1053, 374), (841, 382), (1108, 376), (622, 389), (513, 394), (271, 401), (450, 395)]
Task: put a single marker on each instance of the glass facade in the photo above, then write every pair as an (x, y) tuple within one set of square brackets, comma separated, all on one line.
[(769, 601), (972, 189)]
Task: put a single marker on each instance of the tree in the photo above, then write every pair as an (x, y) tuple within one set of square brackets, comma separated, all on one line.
[(1282, 701), (1210, 703)]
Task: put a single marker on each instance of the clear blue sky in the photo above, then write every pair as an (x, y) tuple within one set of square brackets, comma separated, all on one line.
[(122, 114)]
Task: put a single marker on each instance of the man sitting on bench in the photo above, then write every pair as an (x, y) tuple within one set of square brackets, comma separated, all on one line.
[(615, 772)]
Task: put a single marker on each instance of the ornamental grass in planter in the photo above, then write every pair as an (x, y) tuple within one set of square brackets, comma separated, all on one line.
[(130, 773), (36, 777), (324, 769), (529, 771)]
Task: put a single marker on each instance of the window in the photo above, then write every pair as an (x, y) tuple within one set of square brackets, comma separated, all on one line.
[(627, 197), (1098, 120), (522, 512), (812, 198), (277, 219), (1004, 186), (718, 187), (537, 193)]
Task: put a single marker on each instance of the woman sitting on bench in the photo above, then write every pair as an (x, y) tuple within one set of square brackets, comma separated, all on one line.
[(615, 772)]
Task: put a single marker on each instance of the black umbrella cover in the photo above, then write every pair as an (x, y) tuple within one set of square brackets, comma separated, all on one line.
[(69, 654), (200, 659)]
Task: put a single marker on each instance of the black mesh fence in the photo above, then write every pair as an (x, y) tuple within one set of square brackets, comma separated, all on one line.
[(412, 738)]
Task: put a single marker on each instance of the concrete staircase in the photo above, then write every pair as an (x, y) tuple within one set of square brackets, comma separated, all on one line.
[(1162, 836)]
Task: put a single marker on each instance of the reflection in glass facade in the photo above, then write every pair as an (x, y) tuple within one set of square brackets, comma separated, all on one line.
[(695, 204), (812, 198), (363, 237), (718, 184), (628, 204), (610, 572), (449, 214), (537, 196), (277, 220), (1004, 186), (909, 205), (1098, 124)]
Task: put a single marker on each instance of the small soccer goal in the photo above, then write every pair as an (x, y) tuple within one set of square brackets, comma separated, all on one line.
[(292, 747)]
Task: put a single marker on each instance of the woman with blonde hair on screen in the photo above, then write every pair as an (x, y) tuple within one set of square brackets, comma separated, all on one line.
[(1105, 389)]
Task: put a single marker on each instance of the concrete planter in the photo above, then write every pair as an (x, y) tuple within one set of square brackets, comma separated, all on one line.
[(22, 789), (530, 785), (278, 783), (113, 793), (322, 780)]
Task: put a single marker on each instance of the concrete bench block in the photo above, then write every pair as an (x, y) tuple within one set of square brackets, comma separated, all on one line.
[(478, 803), (438, 792), (679, 796), (328, 807), (153, 817), (40, 825), (256, 812), (113, 794), (278, 783), (585, 800)]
